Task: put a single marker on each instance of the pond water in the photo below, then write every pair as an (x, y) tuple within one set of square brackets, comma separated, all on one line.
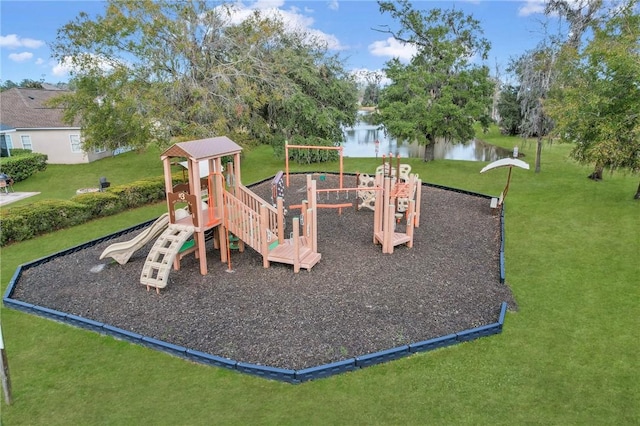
[(361, 142)]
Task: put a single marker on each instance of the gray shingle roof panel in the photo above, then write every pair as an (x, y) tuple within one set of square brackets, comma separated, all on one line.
[(26, 108)]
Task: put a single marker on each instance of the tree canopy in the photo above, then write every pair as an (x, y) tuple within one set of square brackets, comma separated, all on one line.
[(535, 70), (509, 110), (163, 70), (439, 93), (596, 99)]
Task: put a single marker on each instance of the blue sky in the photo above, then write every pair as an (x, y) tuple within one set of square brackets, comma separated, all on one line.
[(512, 27)]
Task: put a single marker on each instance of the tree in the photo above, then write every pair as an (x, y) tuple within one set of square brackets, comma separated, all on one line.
[(184, 70), (580, 14), (110, 114), (596, 100), (535, 72), (8, 84), (25, 83), (509, 110), (439, 93), (370, 96), (319, 98)]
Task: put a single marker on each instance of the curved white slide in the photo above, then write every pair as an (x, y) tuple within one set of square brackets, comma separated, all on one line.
[(121, 252)]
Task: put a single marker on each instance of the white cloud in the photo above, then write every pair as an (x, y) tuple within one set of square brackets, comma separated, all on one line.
[(20, 57), (39, 61), (13, 41), (66, 66), (293, 19), (61, 69), (531, 7), (334, 5), (392, 48), (365, 76)]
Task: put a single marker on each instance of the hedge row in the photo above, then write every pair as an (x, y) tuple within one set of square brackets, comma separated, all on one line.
[(20, 167), (25, 222)]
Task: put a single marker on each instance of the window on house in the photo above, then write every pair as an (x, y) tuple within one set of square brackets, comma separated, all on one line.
[(100, 150), (8, 141), (26, 142), (76, 146)]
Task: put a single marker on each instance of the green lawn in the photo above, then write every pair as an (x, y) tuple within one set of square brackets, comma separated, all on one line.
[(570, 355)]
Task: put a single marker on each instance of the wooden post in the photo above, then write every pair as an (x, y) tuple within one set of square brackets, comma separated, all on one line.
[(313, 234), (410, 222), (264, 226), (378, 209), (314, 219), (387, 246), (296, 245), (418, 199), (4, 371), (223, 209), (202, 251), (168, 182), (286, 160), (236, 162), (306, 225), (341, 166)]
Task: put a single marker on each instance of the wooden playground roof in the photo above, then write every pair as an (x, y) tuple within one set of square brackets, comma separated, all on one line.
[(203, 148)]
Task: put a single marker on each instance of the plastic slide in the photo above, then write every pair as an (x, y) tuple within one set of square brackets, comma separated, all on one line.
[(121, 252)]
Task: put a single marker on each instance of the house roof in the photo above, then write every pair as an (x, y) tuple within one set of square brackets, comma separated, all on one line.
[(203, 148), (5, 129), (22, 108)]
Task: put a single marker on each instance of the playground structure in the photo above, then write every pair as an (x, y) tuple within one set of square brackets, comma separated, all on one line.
[(214, 202), (393, 194), (122, 252), (366, 182), (401, 198)]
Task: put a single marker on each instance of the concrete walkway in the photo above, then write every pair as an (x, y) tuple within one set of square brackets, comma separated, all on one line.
[(11, 197)]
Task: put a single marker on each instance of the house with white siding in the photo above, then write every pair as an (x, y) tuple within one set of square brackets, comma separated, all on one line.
[(26, 121)]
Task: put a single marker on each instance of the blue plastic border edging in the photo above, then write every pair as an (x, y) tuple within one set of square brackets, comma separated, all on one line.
[(382, 356), (326, 370), (274, 373), (435, 343), (208, 359), (267, 372)]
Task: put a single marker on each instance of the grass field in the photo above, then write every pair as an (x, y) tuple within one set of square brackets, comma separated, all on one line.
[(569, 356)]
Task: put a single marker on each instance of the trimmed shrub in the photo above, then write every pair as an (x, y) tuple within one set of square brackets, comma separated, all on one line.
[(17, 152), (22, 166), (140, 192), (25, 222), (101, 203)]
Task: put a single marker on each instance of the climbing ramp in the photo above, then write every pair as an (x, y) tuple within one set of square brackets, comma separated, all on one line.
[(155, 272)]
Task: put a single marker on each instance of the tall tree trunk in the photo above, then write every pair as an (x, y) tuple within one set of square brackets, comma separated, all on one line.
[(597, 173), (538, 152), (429, 149), (637, 196)]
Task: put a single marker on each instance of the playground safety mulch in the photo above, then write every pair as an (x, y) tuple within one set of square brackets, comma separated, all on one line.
[(354, 302)]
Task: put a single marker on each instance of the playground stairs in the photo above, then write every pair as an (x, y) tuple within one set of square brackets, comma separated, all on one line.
[(160, 259), (396, 238), (286, 253), (255, 223)]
